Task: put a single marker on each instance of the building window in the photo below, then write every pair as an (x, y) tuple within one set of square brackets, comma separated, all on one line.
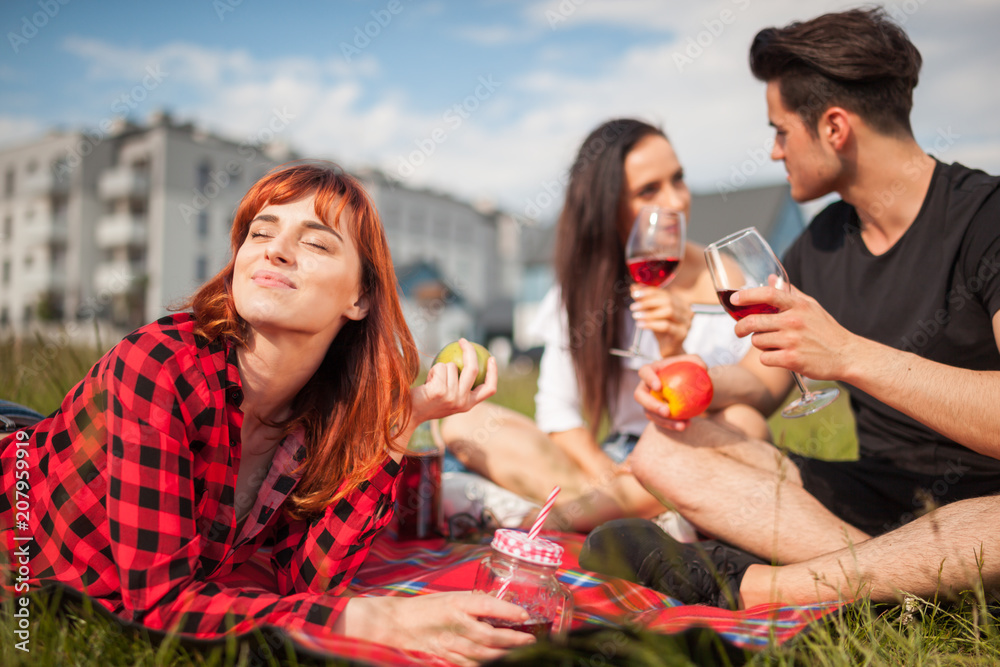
[(8, 228), (8, 183), (6, 272), (201, 269), (204, 171), (203, 224), (4, 317)]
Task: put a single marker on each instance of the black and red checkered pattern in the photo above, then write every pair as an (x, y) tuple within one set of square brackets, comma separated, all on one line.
[(132, 491)]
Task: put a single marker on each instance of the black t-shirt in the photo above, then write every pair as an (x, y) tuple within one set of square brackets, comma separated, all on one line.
[(934, 293)]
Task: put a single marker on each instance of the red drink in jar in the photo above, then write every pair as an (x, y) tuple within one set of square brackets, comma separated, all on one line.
[(539, 627), (418, 505)]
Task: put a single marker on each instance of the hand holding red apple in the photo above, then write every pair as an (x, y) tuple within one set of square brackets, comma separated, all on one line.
[(674, 390)]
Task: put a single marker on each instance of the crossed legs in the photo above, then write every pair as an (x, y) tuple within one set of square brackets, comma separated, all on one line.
[(740, 490), (945, 551), (509, 449)]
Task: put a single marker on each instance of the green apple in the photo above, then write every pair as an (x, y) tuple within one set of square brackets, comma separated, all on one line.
[(452, 353)]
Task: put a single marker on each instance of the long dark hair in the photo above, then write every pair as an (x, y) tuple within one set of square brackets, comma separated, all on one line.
[(360, 394), (858, 59), (590, 260)]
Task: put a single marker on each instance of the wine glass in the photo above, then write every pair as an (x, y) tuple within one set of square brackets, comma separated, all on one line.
[(743, 260), (653, 253)]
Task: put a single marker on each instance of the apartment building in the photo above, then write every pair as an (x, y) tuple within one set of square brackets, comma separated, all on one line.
[(118, 225), (115, 227)]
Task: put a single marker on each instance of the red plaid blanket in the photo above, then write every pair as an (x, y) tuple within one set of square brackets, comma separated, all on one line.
[(431, 566)]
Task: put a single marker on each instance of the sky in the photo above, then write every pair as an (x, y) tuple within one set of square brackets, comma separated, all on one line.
[(486, 100)]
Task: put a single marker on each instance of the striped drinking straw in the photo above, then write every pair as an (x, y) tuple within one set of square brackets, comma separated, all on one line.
[(535, 529)]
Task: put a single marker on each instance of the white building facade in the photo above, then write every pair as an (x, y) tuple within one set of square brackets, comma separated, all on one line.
[(115, 229)]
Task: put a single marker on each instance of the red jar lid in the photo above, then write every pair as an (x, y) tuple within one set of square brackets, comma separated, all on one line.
[(516, 543)]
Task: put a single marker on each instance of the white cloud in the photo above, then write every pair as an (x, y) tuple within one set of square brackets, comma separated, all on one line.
[(694, 80)]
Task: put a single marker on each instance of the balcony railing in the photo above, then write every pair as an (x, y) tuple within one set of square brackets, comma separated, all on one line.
[(38, 280), (121, 229), (121, 182), (45, 182), (116, 277), (43, 231)]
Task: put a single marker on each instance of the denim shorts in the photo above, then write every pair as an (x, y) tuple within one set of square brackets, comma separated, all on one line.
[(619, 445)]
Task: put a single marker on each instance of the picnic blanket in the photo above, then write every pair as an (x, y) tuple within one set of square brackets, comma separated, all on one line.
[(429, 566)]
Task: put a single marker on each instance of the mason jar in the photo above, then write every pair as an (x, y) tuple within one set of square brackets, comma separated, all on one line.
[(523, 572)]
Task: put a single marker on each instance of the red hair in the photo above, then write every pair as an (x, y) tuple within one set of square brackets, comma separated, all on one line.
[(359, 397)]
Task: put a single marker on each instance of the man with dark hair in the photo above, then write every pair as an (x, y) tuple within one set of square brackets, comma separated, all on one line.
[(896, 294)]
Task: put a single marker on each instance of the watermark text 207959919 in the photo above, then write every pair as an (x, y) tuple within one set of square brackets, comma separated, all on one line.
[(20, 555)]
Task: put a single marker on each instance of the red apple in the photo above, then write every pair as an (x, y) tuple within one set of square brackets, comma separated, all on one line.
[(687, 389)]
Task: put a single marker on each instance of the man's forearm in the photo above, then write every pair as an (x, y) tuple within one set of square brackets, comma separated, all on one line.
[(958, 403)]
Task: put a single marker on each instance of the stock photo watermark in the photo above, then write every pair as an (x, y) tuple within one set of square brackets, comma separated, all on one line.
[(220, 179), (223, 7), (713, 28), (552, 191), (31, 25), (453, 118), (958, 297), (120, 107), (363, 35), (20, 557), (562, 12)]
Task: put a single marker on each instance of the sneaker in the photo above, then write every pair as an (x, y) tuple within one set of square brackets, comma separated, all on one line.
[(676, 526), (468, 493), (707, 572)]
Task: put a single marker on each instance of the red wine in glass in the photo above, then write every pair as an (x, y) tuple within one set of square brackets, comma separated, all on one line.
[(739, 312), (744, 260), (653, 271), (653, 254)]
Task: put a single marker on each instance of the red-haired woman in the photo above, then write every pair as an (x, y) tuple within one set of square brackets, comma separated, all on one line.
[(273, 414)]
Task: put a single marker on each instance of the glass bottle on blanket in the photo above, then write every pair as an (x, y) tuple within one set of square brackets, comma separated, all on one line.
[(653, 254), (743, 260), (418, 503), (523, 571)]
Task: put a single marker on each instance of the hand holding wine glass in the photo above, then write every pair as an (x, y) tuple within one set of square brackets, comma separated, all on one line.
[(653, 254), (743, 260)]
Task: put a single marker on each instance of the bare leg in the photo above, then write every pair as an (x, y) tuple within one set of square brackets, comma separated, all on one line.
[(946, 551), (509, 449), (742, 491)]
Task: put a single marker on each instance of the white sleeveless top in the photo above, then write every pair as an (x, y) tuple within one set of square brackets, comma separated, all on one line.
[(558, 404)]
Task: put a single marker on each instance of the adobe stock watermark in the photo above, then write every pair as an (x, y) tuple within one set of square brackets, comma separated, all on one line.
[(220, 179), (562, 12), (121, 107), (363, 35), (713, 28), (552, 191), (739, 174), (87, 312), (20, 556), (48, 10), (958, 297), (223, 7), (901, 12), (453, 119)]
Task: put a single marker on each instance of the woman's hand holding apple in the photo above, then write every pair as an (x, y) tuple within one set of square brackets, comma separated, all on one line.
[(674, 390)]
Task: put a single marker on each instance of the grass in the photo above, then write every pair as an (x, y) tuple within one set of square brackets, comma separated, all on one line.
[(929, 633)]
